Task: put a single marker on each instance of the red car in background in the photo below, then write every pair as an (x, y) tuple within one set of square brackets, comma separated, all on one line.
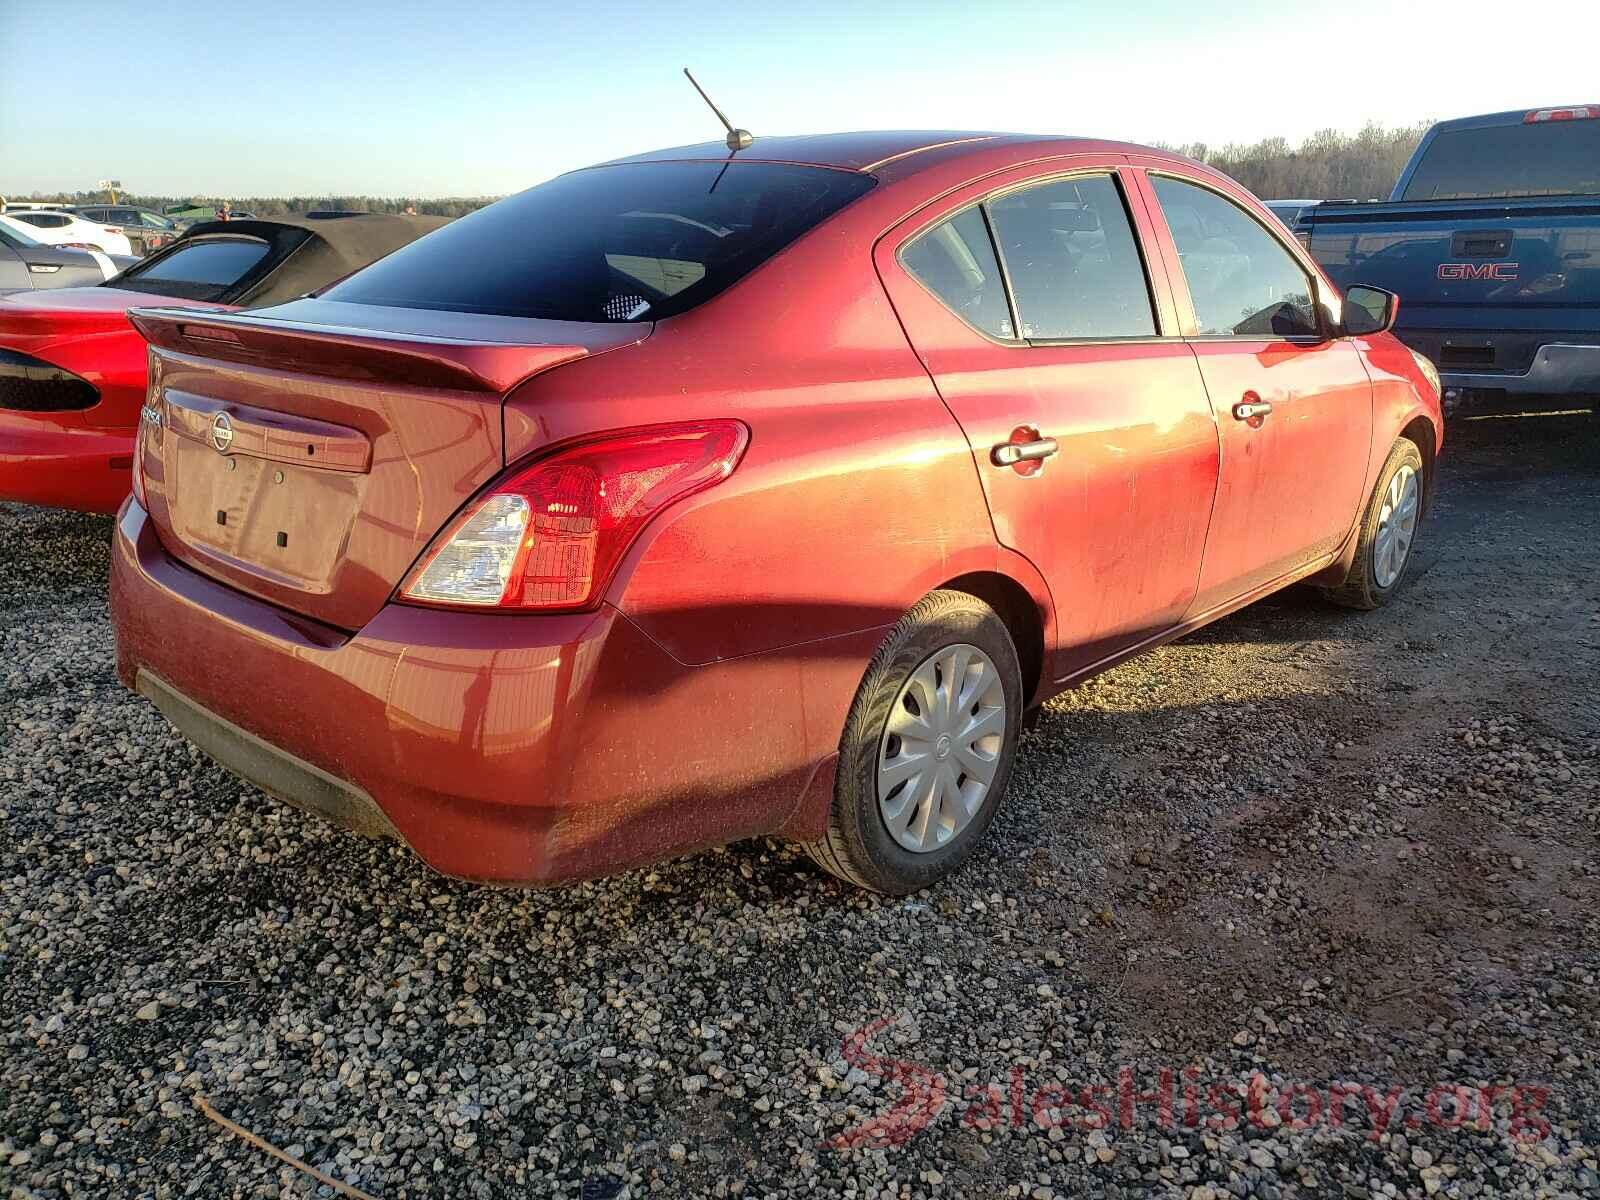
[(72, 369), (706, 495)]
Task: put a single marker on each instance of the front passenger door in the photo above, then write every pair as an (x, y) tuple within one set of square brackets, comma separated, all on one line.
[(1293, 406)]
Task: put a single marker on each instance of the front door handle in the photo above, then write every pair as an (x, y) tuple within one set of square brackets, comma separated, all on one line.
[(1251, 410), (1009, 454)]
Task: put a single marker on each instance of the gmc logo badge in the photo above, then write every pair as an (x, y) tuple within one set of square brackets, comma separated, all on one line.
[(1501, 270)]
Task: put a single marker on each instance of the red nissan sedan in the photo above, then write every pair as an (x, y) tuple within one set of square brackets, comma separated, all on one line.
[(710, 494)]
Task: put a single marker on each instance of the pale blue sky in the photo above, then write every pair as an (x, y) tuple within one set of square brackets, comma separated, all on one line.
[(276, 97)]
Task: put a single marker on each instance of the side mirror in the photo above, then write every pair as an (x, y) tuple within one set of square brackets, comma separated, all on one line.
[(1369, 310)]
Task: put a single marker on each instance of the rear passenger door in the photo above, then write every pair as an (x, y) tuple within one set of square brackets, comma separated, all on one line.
[(1029, 302), (1293, 405)]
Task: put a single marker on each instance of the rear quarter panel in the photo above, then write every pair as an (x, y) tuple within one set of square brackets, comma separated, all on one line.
[(857, 493)]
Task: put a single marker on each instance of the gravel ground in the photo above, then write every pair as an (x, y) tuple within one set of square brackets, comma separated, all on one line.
[(1302, 851)]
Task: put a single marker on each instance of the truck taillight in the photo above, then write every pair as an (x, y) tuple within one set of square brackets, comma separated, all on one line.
[(550, 535), (1581, 112)]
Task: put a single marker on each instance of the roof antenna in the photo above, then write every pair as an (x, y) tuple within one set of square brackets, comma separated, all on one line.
[(738, 139)]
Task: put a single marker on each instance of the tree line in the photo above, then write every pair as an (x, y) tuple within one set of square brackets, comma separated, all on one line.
[(276, 206), (1328, 165)]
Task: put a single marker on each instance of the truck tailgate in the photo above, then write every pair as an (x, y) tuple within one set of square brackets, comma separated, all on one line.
[(1483, 284)]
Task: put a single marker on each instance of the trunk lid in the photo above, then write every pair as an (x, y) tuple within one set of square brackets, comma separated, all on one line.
[(29, 320), (306, 454)]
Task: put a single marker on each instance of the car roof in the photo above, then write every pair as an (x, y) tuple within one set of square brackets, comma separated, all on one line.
[(899, 152)]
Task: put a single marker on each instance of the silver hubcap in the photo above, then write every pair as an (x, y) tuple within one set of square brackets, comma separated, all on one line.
[(1397, 527), (941, 748)]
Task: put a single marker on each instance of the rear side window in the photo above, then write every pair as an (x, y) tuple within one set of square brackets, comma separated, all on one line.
[(202, 270), (955, 261), (1241, 279), (1074, 265), (633, 242), (1549, 158)]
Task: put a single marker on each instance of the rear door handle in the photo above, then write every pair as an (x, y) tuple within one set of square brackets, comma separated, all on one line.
[(1009, 454), (1251, 410)]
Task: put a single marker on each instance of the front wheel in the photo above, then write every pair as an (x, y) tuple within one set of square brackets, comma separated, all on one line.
[(927, 748), (1388, 532)]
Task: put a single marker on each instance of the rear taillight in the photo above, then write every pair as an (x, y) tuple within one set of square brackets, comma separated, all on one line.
[(1581, 112), (550, 535), (33, 385)]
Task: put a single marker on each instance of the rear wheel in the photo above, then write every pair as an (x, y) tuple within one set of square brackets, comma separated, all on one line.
[(927, 748), (1388, 532)]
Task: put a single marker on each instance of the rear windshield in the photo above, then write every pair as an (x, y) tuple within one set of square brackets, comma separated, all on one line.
[(635, 242), (1550, 158), (206, 269)]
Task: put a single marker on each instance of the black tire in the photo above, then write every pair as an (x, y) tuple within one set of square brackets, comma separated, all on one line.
[(1361, 588), (858, 846)]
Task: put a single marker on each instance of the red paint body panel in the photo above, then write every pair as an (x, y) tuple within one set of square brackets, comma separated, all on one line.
[(77, 459), (703, 700), (519, 751), (1288, 487)]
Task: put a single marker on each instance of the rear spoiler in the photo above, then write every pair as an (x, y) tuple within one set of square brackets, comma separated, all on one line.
[(419, 360)]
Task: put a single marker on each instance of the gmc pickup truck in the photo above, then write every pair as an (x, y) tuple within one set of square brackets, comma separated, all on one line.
[(1492, 242)]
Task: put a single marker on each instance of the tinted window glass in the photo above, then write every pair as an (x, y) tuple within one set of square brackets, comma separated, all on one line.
[(1074, 266), (1241, 279), (42, 220), (16, 237), (1551, 158), (203, 270), (955, 261), (633, 242), (93, 214)]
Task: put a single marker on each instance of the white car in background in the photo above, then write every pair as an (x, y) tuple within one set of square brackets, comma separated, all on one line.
[(57, 228)]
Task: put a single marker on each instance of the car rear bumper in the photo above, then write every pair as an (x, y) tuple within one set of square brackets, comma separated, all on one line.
[(1557, 370), (501, 748), (81, 468)]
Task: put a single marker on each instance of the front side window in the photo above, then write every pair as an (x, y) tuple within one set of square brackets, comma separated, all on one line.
[(631, 242), (955, 261), (1242, 280), (1073, 261), (206, 269)]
